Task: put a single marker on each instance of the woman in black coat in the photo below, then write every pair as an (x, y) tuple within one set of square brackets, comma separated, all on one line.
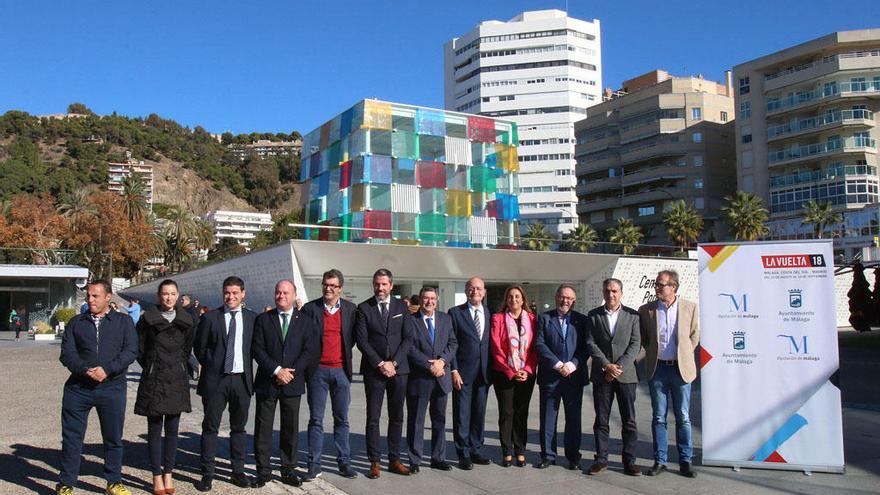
[(165, 335)]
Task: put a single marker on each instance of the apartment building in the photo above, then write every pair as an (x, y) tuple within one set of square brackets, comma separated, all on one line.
[(540, 69), (265, 147), (116, 172), (242, 226), (658, 139), (806, 128)]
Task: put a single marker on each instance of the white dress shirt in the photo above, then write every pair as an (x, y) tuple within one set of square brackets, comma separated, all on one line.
[(473, 311), (612, 318), (238, 357), (281, 324)]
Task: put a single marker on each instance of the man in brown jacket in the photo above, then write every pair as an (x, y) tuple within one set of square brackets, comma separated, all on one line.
[(670, 334)]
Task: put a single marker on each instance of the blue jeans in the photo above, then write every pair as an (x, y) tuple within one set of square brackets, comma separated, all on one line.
[(333, 382), (665, 382), (76, 404)]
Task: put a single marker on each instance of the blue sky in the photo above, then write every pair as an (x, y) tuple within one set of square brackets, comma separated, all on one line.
[(291, 65)]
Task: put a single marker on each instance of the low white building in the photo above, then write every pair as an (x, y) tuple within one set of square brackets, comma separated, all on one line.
[(239, 225)]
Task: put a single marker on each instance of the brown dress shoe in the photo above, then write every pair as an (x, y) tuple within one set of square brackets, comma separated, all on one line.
[(631, 469), (397, 467), (373, 473), (597, 468)]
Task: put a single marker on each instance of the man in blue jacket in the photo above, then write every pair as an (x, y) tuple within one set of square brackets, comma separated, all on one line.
[(97, 348)]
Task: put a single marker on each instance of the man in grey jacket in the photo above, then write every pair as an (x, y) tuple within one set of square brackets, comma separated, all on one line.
[(613, 340)]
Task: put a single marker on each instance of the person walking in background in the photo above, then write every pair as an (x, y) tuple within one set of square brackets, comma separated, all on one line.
[(134, 310), (97, 348), (14, 323), (514, 360), (165, 339)]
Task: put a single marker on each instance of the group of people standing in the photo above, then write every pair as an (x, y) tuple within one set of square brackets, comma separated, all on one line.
[(414, 359)]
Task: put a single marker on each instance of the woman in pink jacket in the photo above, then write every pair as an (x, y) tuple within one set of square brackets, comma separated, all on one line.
[(514, 362)]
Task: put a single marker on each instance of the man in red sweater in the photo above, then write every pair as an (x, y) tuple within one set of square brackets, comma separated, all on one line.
[(331, 374)]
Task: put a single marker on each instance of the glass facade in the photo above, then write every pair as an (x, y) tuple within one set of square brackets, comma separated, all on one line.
[(388, 173)]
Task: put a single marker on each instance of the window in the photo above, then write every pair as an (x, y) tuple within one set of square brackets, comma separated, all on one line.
[(747, 159), (698, 184), (645, 211), (697, 137), (745, 109), (744, 85), (699, 203), (697, 113), (748, 183), (506, 98), (485, 99), (723, 116), (746, 132), (612, 172), (698, 160)]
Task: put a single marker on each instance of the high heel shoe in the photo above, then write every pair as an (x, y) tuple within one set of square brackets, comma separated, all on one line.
[(505, 462), (520, 462), (169, 491)]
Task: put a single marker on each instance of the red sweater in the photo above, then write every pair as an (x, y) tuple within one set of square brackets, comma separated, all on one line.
[(331, 353)]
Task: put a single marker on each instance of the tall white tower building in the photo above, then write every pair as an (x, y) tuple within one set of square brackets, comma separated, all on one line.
[(541, 69)]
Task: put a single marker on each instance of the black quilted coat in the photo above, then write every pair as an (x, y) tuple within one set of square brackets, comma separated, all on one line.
[(163, 351)]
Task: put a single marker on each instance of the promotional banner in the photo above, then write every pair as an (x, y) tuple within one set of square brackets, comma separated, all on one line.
[(768, 351)]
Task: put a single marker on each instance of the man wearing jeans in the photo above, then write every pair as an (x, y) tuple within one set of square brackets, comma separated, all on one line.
[(670, 334), (331, 374)]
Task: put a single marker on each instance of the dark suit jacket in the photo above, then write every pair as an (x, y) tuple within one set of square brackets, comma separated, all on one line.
[(348, 318), (378, 343), (472, 357), (621, 349), (551, 350), (421, 381), (210, 349), (270, 351)]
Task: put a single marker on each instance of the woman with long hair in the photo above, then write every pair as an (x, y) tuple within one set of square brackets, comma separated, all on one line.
[(165, 334), (514, 362)]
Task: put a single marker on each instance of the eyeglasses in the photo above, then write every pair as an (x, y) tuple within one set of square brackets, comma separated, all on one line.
[(660, 286), (331, 286)]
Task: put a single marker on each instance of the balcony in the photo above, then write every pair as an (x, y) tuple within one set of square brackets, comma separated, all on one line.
[(598, 185), (652, 174), (603, 163), (830, 91), (831, 173), (654, 149), (799, 153), (801, 127)]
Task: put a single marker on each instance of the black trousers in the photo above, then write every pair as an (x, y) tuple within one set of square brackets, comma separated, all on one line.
[(162, 453), (288, 440), (233, 393), (513, 412), (417, 406), (376, 388), (603, 397)]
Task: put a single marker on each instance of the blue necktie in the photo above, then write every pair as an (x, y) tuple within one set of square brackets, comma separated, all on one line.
[(229, 362), (563, 322), (431, 329)]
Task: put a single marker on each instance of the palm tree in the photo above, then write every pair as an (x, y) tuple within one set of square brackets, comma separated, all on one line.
[(683, 224), (77, 208), (820, 215), (538, 238), (746, 215), (181, 230), (134, 193), (626, 234), (582, 238)]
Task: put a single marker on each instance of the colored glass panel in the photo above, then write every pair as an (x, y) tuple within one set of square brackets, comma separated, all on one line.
[(457, 231), (379, 196), (403, 171), (432, 200), (334, 156), (345, 122), (380, 142), (358, 144), (357, 197), (430, 174), (430, 122), (432, 148), (377, 224), (377, 115), (379, 168), (404, 144), (323, 181), (457, 177), (481, 129), (432, 228), (325, 135), (405, 226), (506, 157), (345, 175), (482, 179), (458, 203)]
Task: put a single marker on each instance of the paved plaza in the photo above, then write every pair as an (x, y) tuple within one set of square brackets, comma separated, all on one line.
[(30, 442)]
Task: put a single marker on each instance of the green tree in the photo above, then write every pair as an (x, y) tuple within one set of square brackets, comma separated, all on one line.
[(746, 215), (683, 224), (225, 249), (281, 231), (582, 238), (134, 201), (820, 216), (626, 234), (79, 108), (538, 238), (78, 208)]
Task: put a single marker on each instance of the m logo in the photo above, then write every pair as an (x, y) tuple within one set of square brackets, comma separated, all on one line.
[(737, 305), (796, 345), (739, 341), (795, 300)]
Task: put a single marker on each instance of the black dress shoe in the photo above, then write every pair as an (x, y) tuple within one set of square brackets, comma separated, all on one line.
[(205, 484), (241, 480), (686, 470), (478, 459), (291, 479), (441, 465), (656, 469), (413, 469), (506, 462), (347, 472), (465, 464), (521, 462), (261, 480), (574, 465), (545, 463), (631, 469)]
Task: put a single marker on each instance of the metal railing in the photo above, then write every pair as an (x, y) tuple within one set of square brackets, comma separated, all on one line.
[(36, 256), (807, 151), (829, 118)]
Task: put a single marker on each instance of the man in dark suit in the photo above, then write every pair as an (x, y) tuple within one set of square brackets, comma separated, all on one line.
[(284, 351), (330, 373), (562, 374), (470, 374), (433, 348), (614, 341), (223, 348), (384, 342)]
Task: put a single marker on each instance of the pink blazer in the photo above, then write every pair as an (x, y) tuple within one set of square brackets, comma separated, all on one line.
[(500, 346)]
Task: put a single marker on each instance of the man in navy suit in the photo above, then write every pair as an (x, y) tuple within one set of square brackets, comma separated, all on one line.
[(470, 374), (223, 348), (384, 341), (433, 348), (330, 373), (284, 351), (562, 373)]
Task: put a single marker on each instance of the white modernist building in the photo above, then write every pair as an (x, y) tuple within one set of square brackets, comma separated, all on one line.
[(541, 69), (239, 225)]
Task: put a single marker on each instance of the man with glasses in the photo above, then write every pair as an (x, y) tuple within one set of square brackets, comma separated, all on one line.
[(670, 334), (330, 374)]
